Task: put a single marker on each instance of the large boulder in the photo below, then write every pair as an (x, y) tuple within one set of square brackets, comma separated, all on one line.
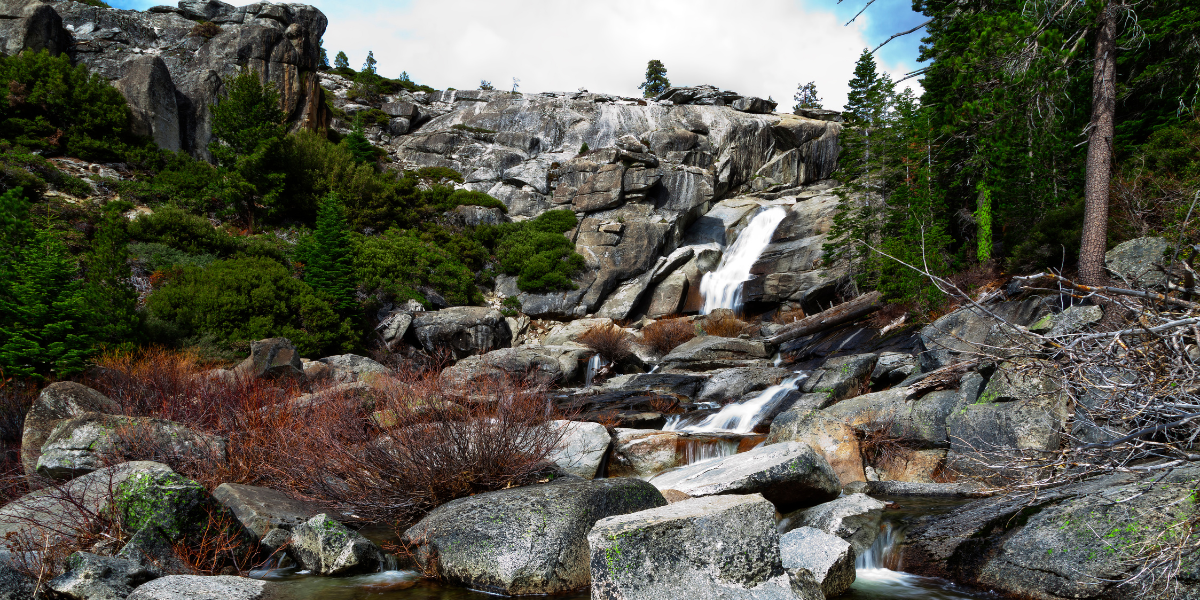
[(854, 518), (643, 453), (14, 583), (829, 558), (1074, 541), (261, 509), (81, 445), (962, 334), (348, 368), (528, 540), (570, 331), (709, 352), (462, 330), (326, 547), (832, 438), (92, 577), (57, 401), (533, 364), (1138, 262), (275, 359), (582, 448), (705, 548), (32, 25), (198, 587), (150, 92), (789, 474), (842, 377)]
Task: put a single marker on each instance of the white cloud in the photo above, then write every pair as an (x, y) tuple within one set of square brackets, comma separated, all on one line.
[(755, 47)]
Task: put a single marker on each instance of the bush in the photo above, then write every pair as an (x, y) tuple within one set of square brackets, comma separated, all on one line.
[(154, 256), (396, 263), (536, 251), (233, 302), (723, 323), (609, 341), (664, 335), (206, 29), (182, 231), (173, 178), (54, 107)]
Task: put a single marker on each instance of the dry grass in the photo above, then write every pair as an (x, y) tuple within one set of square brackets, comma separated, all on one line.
[(783, 317), (880, 441), (664, 335), (723, 323), (609, 341)]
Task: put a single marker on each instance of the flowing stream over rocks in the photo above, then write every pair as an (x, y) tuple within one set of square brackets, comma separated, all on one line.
[(722, 288), (740, 417)]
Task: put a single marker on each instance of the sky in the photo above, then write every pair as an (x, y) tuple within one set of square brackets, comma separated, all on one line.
[(760, 48)]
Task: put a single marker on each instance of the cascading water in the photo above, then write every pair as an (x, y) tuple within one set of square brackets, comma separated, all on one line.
[(595, 363), (885, 552), (700, 450), (741, 417), (722, 288)]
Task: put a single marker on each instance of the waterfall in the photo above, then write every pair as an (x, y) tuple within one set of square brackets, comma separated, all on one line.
[(722, 288), (700, 450), (595, 363), (741, 417), (885, 552)]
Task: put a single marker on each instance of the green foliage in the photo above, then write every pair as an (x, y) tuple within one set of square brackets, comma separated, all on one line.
[(174, 178), (806, 97), (983, 216), (1052, 242), (358, 145), (397, 263), (232, 302), (182, 231), (34, 174), (369, 65), (248, 132), (53, 107), (341, 61), (44, 311), (584, 149), (656, 79), (154, 256), (328, 266), (536, 251), (108, 274)]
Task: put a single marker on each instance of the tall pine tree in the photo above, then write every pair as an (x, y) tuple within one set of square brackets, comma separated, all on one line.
[(656, 79), (330, 269)]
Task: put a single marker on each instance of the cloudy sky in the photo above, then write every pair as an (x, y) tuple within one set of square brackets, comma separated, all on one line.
[(755, 47)]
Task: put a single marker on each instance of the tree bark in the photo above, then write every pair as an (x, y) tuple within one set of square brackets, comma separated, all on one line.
[(1100, 150)]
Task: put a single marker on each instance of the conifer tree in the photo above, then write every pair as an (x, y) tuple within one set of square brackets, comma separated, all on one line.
[(656, 79), (358, 144), (806, 97), (341, 61), (248, 131), (369, 65), (330, 267), (108, 280)]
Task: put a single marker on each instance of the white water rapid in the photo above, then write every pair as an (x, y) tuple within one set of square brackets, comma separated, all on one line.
[(740, 417), (722, 288), (594, 364)]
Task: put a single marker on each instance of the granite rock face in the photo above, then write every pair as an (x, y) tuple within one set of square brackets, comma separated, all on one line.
[(171, 73)]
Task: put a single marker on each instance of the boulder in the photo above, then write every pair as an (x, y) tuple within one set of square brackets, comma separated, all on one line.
[(582, 448), (704, 548), (273, 359), (961, 334), (92, 577), (709, 352), (833, 439), (829, 558), (668, 296), (462, 330), (570, 331), (523, 363), (261, 509), (842, 377), (148, 89), (198, 587), (177, 506), (789, 474), (528, 540), (643, 453), (854, 518), (753, 104), (32, 25), (912, 466), (14, 584), (733, 384), (352, 367), (1138, 262), (1071, 320), (393, 327), (326, 547), (57, 401), (893, 367), (355, 393), (82, 444)]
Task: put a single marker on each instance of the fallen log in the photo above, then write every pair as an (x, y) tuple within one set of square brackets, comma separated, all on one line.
[(828, 319)]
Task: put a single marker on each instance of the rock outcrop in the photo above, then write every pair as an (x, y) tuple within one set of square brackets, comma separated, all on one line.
[(172, 71)]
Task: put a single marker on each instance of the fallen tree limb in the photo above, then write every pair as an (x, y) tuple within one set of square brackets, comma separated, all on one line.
[(1028, 281), (827, 319)]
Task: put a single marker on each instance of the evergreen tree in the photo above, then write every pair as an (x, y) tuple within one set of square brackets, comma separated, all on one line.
[(330, 266), (369, 65), (867, 108), (248, 131), (656, 79), (806, 97), (360, 147), (108, 280), (341, 61), (324, 58)]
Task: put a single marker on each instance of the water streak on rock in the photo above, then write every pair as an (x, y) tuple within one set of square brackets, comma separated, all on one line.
[(723, 288)]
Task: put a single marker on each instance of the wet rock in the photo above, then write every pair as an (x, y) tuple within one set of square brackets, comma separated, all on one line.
[(1138, 262), (704, 548), (961, 334), (582, 448), (261, 510), (680, 384), (829, 558), (81, 445), (274, 359), (463, 330), (92, 577), (57, 401), (326, 547), (198, 587), (529, 540), (643, 453), (789, 474), (711, 352), (352, 367), (732, 384), (842, 377), (854, 518), (834, 440)]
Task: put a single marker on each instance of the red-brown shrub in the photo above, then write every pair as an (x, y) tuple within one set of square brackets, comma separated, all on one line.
[(610, 341), (664, 335), (724, 323)]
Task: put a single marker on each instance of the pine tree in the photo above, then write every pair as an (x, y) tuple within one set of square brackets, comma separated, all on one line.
[(656, 79), (341, 61), (867, 108), (108, 280), (324, 64), (369, 65), (248, 131), (806, 97), (329, 269), (358, 144)]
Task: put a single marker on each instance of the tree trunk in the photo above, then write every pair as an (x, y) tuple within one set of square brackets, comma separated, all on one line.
[(1100, 149)]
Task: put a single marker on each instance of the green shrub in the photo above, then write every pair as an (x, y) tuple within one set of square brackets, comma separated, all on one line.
[(232, 302), (186, 232), (51, 106), (536, 251), (248, 131), (474, 198), (396, 263), (173, 178), (161, 257)]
